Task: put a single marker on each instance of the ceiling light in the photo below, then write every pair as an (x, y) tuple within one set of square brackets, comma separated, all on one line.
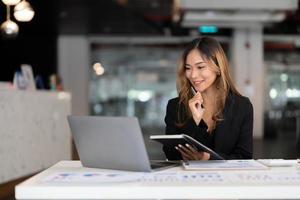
[(284, 77), (9, 28), (23, 12), (10, 2), (99, 70), (273, 93)]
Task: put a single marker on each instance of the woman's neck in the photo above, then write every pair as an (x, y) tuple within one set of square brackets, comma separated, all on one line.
[(209, 94)]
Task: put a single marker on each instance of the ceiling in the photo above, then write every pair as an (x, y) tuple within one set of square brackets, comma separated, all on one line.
[(115, 17), (157, 17), (36, 42)]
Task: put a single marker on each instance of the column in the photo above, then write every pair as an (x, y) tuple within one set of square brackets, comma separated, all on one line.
[(248, 70), (73, 67)]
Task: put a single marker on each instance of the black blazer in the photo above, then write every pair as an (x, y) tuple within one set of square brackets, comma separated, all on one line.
[(232, 137)]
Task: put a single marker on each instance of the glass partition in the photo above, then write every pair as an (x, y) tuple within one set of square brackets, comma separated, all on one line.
[(138, 81), (282, 99)]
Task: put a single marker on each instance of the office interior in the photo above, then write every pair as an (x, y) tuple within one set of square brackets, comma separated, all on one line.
[(119, 58)]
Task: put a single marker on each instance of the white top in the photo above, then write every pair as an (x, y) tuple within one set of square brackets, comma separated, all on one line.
[(69, 180)]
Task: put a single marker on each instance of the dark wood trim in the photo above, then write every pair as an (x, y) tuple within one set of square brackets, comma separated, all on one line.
[(8, 189), (75, 155)]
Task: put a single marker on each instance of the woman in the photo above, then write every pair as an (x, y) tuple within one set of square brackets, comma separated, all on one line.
[(215, 114)]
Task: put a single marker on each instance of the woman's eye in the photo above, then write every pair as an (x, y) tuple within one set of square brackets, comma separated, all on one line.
[(201, 67), (187, 68)]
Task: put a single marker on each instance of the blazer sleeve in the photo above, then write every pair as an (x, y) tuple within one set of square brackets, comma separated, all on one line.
[(244, 145), (170, 119)]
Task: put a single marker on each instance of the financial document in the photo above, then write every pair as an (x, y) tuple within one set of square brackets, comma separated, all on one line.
[(92, 177), (224, 165), (179, 178)]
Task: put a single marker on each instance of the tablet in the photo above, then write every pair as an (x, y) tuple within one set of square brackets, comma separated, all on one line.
[(174, 140)]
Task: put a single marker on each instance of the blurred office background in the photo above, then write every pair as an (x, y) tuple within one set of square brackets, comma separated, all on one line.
[(119, 58)]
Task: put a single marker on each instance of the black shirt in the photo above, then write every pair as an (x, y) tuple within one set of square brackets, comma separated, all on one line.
[(205, 137)]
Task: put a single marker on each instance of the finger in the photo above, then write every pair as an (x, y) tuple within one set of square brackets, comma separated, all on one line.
[(198, 96), (193, 153), (183, 154), (186, 150), (192, 149), (199, 155), (184, 158), (195, 104), (196, 101)]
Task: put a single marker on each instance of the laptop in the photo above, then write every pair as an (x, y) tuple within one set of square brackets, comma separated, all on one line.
[(112, 143)]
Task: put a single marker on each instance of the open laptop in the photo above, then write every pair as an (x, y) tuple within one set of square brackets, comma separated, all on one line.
[(111, 143)]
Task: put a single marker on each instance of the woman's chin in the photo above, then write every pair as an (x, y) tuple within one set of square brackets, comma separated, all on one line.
[(202, 89)]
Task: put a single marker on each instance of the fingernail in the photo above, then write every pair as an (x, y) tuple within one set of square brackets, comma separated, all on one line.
[(187, 145), (180, 145), (176, 148)]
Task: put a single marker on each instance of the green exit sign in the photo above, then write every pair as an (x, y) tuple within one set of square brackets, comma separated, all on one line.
[(208, 29)]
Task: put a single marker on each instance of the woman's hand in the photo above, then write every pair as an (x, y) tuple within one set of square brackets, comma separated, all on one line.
[(189, 153), (195, 105)]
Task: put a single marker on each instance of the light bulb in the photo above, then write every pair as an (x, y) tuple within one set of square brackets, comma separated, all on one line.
[(23, 12), (9, 29), (10, 2)]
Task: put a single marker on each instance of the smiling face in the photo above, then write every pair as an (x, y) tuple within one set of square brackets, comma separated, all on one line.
[(199, 71)]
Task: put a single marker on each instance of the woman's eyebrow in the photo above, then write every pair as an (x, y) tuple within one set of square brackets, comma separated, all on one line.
[(197, 63)]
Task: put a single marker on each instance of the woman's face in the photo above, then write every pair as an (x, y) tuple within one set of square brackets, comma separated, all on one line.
[(199, 72)]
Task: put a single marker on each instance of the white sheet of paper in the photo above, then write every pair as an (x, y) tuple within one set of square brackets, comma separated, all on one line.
[(223, 165), (84, 177)]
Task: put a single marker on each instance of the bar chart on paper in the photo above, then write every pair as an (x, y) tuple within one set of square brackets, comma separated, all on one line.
[(255, 177)]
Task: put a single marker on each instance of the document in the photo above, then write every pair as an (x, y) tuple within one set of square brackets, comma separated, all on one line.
[(174, 140), (278, 162), (92, 177), (223, 165)]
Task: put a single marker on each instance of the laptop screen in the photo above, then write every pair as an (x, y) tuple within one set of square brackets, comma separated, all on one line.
[(110, 142)]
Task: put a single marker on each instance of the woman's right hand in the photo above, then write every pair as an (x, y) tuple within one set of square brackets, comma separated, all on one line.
[(195, 105)]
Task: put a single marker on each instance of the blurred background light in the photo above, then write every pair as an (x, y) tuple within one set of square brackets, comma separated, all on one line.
[(23, 11)]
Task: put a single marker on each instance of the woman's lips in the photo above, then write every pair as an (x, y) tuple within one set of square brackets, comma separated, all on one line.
[(198, 82)]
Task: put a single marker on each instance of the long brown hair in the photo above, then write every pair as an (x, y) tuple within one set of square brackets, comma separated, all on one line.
[(213, 53)]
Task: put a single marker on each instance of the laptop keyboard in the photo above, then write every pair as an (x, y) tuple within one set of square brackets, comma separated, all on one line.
[(155, 166), (159, 164)]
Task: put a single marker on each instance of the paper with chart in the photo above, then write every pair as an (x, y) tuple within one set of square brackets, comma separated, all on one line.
[(224, 165), (91, 177), (178, 178)]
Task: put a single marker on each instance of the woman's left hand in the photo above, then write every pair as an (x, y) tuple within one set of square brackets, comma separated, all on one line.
[(189, 153)]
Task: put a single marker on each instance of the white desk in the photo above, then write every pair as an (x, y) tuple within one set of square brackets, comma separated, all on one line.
[(58, 182)]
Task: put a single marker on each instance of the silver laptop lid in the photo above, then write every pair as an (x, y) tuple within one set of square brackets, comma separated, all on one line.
[(110, 142)]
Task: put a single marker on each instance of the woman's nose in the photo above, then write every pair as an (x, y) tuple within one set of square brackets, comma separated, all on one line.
[(194, 73)]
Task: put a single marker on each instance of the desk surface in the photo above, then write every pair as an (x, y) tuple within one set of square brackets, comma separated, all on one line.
[(69, 180)]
